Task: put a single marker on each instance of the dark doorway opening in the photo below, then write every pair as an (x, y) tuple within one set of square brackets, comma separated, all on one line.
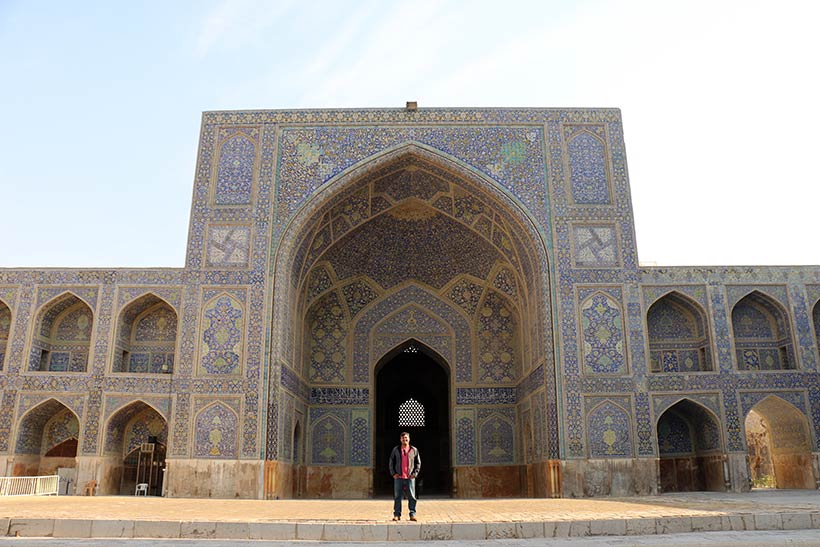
[(690, 449), (145, 464), (413, 395)]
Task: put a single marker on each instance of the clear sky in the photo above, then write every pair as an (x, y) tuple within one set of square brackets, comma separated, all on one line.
[(101, 105)]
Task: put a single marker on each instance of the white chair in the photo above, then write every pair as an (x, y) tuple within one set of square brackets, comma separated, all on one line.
[(142, 488)]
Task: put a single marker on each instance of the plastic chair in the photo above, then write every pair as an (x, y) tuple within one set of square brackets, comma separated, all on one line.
[(142, 488)]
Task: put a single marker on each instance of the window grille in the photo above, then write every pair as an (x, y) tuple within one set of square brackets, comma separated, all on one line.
[(411, 414)]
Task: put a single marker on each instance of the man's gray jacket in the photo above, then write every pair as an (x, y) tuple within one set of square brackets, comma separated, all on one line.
[(414, 461)]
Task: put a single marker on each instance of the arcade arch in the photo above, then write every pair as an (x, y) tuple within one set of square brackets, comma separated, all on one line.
[(762, 334), (678, 334), (47, 440), (779, 443), (690, 449), (146, 337), (136, 438), (62, 336)]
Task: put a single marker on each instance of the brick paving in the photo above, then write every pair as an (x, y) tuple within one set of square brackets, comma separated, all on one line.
[(429, 510), (439, 519)]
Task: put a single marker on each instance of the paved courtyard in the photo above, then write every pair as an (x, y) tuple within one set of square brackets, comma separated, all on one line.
[(444, 519)]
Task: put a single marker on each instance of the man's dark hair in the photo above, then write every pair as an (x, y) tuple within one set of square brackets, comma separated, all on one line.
[(403, 433)]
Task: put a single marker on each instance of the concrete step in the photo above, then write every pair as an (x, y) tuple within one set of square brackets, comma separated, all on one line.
[(404, 531)]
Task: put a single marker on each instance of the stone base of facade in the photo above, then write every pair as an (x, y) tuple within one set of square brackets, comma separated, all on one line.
[(199, 478), (501, 481), (794, 470), (285, 481), (29, 466), (614, 477), (543, 480), (737, 466), (338, 482)]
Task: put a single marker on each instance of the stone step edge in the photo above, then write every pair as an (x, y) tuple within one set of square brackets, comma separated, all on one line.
[(404, 531)]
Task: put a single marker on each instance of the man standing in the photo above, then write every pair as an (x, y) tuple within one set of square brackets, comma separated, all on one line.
[(405, 465)]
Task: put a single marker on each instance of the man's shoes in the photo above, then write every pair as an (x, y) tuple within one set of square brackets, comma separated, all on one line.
[(399, 518), (413, 518)]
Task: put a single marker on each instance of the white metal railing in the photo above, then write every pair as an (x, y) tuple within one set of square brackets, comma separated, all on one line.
[(29, 486)]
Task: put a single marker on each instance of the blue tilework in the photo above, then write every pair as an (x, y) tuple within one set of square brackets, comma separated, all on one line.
[(465, 438), (234, 178), (360, 438), (425, 300), (497, 439), (587, 164), (609, 431), (222, 336), (603, 335), (328, 434), (215, 432)]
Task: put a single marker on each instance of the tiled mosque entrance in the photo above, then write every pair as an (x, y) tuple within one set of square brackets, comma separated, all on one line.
[(407, 262), (412, 394)]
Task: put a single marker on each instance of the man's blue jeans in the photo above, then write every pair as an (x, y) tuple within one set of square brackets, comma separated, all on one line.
[(410, 486)]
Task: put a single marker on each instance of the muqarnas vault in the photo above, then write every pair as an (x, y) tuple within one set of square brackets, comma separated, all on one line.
[(467, 275)]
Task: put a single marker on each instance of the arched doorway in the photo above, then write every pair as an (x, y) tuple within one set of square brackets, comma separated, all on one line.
[(47, 444), (690, 449), (413, 395), (136, 438), (777, 436)]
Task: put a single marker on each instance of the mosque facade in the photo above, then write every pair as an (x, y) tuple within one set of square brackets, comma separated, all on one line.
[(467, 275)]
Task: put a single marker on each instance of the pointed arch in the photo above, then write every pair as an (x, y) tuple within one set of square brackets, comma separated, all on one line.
[(343, 213), (62, 335), (412, 344), (328, 441), (455, 348), (609, 431), (678, 333), (413, 392), (132, 424), (779, 442), (44, 426), (690, 448), (216, 427), (762, 334), (134, 447), (496, 439), (146, 336), (308, 218)]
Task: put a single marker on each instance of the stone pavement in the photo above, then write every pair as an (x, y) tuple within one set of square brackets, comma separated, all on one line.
[(440, 519)]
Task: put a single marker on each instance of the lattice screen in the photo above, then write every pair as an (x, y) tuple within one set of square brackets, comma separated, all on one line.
[(411, 414)]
